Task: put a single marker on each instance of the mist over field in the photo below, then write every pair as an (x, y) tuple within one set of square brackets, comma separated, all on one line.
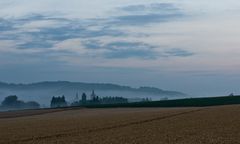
[(43, 92)]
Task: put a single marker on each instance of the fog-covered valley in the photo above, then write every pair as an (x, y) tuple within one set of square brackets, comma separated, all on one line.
[(43, 92)]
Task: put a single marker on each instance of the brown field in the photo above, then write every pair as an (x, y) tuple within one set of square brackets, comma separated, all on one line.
[(211, 125)]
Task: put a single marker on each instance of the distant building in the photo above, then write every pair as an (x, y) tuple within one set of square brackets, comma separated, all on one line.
[(93, 96), (76, 98), (84, 98)]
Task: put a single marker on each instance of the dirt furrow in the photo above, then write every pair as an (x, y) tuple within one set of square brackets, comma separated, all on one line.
[(102, 129)]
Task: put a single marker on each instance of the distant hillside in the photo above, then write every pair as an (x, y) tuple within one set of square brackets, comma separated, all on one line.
[(43, 91)]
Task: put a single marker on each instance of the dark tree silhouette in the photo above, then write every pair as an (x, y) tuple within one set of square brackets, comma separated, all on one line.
[(58, 102), (32, 105), (12, 102)]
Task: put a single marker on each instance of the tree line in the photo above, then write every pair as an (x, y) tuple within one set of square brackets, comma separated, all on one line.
[(60, 101), (13, 103)]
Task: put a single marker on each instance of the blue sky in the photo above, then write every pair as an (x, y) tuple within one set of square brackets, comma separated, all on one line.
[(188, 45)]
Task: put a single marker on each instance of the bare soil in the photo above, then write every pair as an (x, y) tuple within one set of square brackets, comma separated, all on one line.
[(209, 125)]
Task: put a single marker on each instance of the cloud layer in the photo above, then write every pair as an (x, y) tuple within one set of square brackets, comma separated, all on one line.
[(36, 33)]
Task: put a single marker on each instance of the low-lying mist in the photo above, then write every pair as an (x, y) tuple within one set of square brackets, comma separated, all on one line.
[(43, 92)]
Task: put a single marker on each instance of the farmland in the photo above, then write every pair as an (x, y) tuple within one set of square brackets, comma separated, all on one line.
[(123, 125)]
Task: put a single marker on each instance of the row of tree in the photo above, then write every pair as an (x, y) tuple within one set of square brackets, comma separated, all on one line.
[(94, 99), (12, 103), (60, 101)]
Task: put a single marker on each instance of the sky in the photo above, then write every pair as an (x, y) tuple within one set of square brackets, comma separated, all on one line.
[(185, 45)]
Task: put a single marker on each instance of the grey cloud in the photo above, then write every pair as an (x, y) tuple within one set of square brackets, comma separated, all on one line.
[(123, 49), (64, 33), (47, 37), (93, 44), (133, 8), (159, 12), (147, 14), (75, 29), (165, 6), (144, 19), (154, 7), (130, 53), (35, 17), (67, 29), (6, 25), (178, 52), (36, 44), (120, 44)]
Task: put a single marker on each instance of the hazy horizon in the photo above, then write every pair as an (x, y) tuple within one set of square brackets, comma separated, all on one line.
[(189, 45)]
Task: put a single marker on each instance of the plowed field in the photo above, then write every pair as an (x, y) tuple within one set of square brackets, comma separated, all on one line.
[(209, 125)]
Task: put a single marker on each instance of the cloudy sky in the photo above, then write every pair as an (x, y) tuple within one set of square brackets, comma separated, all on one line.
[(189, 45)]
